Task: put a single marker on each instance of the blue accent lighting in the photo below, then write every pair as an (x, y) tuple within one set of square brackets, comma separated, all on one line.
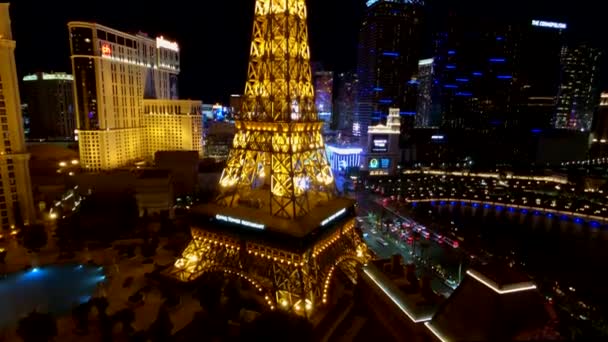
[(594, 224), (486, 206), (451, 52), (500, 38), (407, 113), (390, 54), (498, 208), (386, 101), (451, 86), (497, 60), (462, 80), (477, 73), (464, 94), (578, 220), (475, 205), (504, 77), (442, 203), (377, 89), (450, 66), (524, 211), (536, 130), (452, 203)]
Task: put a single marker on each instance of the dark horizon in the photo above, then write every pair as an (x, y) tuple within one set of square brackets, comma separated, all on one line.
[(208, 41)]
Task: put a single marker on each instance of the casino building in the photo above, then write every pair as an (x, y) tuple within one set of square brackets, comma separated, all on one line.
[(125, 92), (382, 153)]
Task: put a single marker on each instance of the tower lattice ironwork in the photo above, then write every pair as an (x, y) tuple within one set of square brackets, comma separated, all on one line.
[(268, 226), (278, 158)]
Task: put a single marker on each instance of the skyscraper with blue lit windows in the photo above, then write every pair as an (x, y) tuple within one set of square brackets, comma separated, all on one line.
[(478, 71), (388, 55)]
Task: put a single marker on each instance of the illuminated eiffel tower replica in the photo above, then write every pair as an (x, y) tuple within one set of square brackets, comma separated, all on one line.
[(277, 223)]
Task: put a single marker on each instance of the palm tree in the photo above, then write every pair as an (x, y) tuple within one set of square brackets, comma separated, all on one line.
[(37, 327), (126, 317), (80, 315), (101, 304), (161, 328)]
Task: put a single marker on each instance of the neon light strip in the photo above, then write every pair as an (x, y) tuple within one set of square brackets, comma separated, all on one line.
[(514, 288), (436, 332), (517, 206), (397, 302), (333, 217), (344, 151)]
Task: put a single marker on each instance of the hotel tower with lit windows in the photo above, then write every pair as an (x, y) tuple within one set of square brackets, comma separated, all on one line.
[(125, 94), (16, 202)]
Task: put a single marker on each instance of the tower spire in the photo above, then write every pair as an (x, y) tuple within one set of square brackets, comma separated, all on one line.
[(278, 161)]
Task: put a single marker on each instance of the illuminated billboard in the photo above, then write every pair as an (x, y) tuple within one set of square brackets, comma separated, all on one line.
[(380, 143), (379, 163)]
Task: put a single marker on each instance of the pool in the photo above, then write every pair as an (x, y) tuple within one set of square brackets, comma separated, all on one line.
[(55, 289)]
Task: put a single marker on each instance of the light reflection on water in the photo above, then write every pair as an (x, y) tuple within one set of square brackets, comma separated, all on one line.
[(55, 289), (552, 246)]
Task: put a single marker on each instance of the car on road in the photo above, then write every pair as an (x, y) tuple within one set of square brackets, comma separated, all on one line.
[(382, 242)]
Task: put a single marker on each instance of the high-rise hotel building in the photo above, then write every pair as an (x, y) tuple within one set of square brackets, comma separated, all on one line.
[(16, 202), (125, 90)]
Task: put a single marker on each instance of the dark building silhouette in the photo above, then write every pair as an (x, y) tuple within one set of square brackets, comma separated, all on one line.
[(478, 73), (346, 87), (50, 101), (388, 54)]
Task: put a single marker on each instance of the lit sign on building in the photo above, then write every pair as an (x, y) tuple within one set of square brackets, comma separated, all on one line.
[(166, 44), (106, 50), (57, 77), (374, 163), (333, 217), (428, 61), (49, 77), (380, 143), (379, 163), (437, 137), (549, 24), (239, 221)]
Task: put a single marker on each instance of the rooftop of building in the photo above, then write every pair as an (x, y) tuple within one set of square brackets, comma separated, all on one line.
[(153, 173), (413, 296), (493, 303)]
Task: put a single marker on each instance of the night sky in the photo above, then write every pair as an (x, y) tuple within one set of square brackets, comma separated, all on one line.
[(214, 36)]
